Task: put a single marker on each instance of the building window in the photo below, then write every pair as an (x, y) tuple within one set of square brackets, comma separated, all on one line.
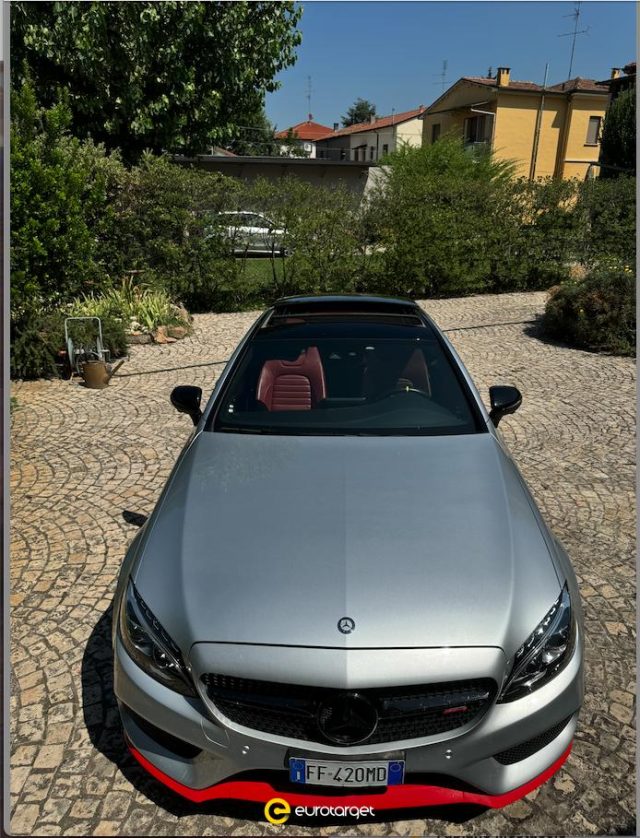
[(360, 153), (477, 129), (593, 131), (372, 151), (435, 132), (385, 148)]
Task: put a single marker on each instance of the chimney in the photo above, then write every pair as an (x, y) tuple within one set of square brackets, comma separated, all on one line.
[(372, 118), (616, 72), (336, 126), (503, 76)]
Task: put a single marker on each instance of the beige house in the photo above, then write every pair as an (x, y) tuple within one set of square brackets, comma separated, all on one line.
[(548, 132), (369, 141)]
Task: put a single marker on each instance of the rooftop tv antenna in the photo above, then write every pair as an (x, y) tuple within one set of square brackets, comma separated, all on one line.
[(575, 14), (442, 76), (309, 114)]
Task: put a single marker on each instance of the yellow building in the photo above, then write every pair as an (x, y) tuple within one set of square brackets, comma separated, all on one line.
[(547, 132)]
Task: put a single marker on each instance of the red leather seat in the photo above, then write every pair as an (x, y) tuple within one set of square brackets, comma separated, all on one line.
[(293, 385)]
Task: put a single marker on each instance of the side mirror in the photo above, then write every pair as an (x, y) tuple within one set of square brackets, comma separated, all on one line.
[(504, 400), (186, 399)]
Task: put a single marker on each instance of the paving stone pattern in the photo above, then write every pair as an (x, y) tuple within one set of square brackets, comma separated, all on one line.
[(85, 463)]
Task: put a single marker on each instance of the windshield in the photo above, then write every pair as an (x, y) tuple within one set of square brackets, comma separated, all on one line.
[(341, 378)]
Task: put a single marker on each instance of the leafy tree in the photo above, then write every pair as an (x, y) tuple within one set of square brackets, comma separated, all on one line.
[(618, 148), (169, 76), (361, 111)]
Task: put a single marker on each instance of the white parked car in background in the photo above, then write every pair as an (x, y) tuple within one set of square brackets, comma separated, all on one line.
[(252, 232)]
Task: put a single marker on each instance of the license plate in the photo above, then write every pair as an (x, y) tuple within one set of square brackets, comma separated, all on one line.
[(314, 772)]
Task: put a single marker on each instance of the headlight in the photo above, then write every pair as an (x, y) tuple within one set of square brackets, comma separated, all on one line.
[(544, 652), (150, 646)]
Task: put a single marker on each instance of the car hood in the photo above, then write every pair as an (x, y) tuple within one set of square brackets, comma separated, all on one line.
[(421, 541)]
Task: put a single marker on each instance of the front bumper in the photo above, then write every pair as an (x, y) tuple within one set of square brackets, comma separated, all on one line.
[(223, 762), (410, 795)]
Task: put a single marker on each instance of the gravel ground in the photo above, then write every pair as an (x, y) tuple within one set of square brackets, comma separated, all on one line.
[(85, 463)]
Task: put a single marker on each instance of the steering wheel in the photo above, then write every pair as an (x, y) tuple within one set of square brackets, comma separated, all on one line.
[(396, 391)]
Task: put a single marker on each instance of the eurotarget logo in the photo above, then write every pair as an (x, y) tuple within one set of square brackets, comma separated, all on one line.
[(278, 811)]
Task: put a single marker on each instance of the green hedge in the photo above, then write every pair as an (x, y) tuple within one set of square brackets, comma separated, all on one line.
[(450, 221), (597, 313), (441, 222), (61, 192)]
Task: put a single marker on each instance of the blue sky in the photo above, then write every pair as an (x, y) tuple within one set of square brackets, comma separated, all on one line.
[(392, 52)]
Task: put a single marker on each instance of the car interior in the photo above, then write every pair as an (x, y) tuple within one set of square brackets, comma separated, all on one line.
[(349, 374), (289, 375)]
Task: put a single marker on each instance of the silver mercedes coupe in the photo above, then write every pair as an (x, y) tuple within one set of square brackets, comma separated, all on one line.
[(346, 592)]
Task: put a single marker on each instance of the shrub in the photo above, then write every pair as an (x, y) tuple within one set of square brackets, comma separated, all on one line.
[(597, 313), (60, 191), (132, 304), (438, 211), (320, 234), (161, 227), (452, 221), (35, 341), (59, 194), (38, 347), (545, 236), (606, 212)]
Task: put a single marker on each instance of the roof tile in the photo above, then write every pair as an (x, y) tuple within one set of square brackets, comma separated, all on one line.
[(572, 85), (381, 122), (306, 131)]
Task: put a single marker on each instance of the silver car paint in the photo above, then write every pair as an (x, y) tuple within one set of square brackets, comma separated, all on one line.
[(272, 539), (252, 596)]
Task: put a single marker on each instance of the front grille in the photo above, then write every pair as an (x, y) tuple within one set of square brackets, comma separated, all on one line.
[(526, 749), (297, 712)]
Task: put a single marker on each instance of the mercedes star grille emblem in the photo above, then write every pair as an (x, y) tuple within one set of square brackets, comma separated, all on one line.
[(348, 719), (346, 625)]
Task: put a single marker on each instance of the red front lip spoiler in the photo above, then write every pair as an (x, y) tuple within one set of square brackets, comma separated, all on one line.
[(395, 797)]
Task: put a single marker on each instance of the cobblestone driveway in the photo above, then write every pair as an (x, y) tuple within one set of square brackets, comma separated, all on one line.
[(85, 463)]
